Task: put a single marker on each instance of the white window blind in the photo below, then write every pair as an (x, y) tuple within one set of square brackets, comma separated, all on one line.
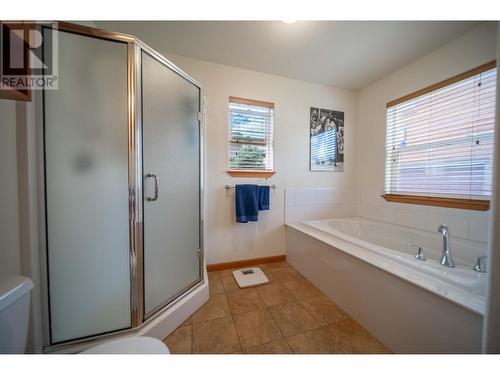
[(251, 125), (440, 144)]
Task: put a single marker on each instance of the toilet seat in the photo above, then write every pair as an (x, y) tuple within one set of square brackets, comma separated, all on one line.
[(130, 345)]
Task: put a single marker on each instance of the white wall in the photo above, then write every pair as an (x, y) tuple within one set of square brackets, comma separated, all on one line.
[(364, 166), (468, 51), (10, 262), (227, 240)]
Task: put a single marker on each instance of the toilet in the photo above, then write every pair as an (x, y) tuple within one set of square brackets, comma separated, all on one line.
[(130, 345), (15, 293), (14, 313)]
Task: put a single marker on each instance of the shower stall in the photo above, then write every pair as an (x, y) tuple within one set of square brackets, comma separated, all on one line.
[(122, 179)]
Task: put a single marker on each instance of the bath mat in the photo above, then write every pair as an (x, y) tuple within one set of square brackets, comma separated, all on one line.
[(247, 277)]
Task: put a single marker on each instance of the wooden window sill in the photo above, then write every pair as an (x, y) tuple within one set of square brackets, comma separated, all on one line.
[(467, 204), (250, 173)]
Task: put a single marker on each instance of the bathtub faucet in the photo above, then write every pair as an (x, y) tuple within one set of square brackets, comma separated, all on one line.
[(446, 259)]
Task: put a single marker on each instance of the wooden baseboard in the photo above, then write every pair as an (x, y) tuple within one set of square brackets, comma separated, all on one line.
[(245, 263)]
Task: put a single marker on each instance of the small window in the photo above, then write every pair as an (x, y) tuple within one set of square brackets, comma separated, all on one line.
[(251, 125), (439, 142)]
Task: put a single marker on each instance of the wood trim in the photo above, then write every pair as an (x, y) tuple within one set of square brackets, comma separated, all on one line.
[(234, 99), (446, 82), (250, 173), (9, 93), (467, 204), (245, 263)]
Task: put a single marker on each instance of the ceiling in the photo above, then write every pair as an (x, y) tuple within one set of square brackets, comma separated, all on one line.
[(344, 54)]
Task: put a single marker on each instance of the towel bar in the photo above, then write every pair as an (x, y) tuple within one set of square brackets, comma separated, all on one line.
[(232, 187)]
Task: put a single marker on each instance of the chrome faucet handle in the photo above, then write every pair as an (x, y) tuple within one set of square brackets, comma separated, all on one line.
[(480, 265), (446, 258), (420, 251), (443, 228)]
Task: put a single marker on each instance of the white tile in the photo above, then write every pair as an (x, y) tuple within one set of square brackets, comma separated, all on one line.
[(372, 197), (385, 214), (360, 210), (324, 196), (342, 210), (326, 211), (457, 212), (410, 218), (323, 211), (304, 197), (480, 215), (313, 212), (416, 207), (479, 230), (392, 204), (359, 196), (474, 214), (435, 210), (289, 197), (294, 214), (403, 206), (457, 225), (346, 195)]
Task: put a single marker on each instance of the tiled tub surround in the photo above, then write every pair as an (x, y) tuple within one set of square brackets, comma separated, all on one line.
[(318, 203), (469, 224), (365, 266), (287, 315), (325, 203)]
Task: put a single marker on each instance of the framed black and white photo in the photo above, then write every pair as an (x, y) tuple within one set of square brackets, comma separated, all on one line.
[(326, 140)]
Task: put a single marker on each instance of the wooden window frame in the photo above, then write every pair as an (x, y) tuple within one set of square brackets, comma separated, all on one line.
[(467, 204), (462, 203), (251, 173)]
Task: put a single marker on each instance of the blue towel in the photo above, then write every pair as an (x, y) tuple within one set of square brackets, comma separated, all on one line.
[(263, 198), (247, 203)]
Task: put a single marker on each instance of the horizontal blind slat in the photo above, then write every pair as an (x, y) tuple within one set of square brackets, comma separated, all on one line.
[(442, 141), (251, 126)]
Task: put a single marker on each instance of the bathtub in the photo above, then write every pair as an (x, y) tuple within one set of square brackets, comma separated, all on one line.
[(412, 306)]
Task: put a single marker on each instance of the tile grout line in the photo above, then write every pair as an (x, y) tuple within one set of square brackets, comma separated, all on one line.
[(277, 325), (282, 334), (234, 325), (320, 328)]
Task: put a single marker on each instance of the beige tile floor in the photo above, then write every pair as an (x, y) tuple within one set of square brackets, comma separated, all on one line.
[(288, 315)]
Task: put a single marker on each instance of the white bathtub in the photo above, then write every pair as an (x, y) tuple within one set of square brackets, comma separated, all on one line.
[(367, 267)]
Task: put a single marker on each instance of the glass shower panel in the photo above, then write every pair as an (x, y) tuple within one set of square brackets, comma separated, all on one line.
[(171, 158), (86, 168)]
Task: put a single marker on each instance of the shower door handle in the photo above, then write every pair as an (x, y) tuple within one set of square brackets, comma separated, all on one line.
[(155, 197)]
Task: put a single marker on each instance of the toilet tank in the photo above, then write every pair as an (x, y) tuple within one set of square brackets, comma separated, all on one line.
[(14, 313)]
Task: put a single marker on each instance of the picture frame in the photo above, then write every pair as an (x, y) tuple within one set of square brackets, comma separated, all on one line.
[(326, 140)]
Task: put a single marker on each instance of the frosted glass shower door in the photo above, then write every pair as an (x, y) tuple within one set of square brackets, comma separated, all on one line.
[(171, 165), (86, 186)]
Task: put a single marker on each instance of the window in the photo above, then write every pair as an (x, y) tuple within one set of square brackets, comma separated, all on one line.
[(251, 126), (439, 148)]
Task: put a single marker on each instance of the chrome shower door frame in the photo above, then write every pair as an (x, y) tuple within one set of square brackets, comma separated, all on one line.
[(141, 46), (135, 190)]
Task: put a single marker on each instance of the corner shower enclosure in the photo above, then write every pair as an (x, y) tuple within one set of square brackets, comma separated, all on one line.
[(122, 182)]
